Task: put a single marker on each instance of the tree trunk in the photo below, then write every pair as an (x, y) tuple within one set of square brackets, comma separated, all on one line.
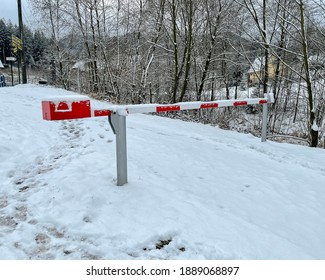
[(266, 50), (189, 48), (313, 134)]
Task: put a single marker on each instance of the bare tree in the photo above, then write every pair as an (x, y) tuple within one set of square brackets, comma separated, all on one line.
[(312, 120), (55, 22), (181, 35)]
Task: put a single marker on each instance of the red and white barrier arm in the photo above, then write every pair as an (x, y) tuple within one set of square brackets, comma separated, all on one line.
[(76, 107)]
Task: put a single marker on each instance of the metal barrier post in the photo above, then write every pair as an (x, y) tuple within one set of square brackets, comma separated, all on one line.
[(264, 122), (118, 124)]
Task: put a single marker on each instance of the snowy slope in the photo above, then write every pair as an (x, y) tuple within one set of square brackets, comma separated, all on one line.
[(208, 193)]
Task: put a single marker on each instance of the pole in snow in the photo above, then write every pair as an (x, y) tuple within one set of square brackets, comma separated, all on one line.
[(118, 124), (21, 32), (264, 123), (270, 99), (11, 59)]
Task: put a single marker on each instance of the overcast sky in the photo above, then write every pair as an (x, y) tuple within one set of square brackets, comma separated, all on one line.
[(9, 11)]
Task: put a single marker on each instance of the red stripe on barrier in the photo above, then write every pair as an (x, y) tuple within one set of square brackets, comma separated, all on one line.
[(263, 102), (209, 105), (168, 108), (240, 103), (102, 113)]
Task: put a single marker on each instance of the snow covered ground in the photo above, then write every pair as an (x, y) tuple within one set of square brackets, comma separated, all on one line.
[(194, 191)]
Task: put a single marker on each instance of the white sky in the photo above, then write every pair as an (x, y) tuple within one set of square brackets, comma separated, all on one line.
[(9, 11)]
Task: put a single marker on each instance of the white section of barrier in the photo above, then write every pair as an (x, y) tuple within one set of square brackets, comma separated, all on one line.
[(156, 108)]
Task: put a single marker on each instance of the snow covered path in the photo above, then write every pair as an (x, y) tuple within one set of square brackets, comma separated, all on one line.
[(194, 191)]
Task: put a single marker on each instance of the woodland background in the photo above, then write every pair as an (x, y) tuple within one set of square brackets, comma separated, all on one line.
[(167, 51)]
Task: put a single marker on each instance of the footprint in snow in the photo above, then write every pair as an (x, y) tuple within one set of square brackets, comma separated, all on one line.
[(100, 135), (3, 202)]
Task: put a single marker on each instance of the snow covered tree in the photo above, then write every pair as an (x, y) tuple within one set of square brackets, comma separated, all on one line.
[(313, 128)]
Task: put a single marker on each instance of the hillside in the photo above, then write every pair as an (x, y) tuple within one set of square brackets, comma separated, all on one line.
[(194, 192)]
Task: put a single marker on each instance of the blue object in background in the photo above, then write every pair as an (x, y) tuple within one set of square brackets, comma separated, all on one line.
[(2, 81)]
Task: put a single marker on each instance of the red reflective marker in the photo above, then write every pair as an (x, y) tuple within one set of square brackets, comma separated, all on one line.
[(102, 113), (209, 105), (168, 108), (240, 103)]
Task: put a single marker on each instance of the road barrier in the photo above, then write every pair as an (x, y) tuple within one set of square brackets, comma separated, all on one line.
[(76, 107)]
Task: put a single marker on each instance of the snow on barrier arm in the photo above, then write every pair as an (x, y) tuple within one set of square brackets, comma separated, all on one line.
[(76, 107)]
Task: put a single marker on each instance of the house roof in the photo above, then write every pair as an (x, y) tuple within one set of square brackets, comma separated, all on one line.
[(81, 65), (257, 65), (1, 65)]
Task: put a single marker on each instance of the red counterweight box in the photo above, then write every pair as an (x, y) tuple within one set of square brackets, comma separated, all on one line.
[(63, 109)]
